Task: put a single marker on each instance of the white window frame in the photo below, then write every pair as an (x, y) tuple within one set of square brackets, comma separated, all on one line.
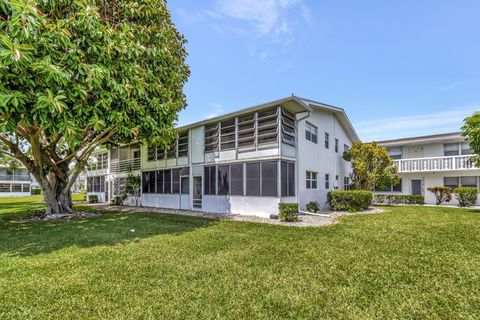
[(311, 130), (311, 178)]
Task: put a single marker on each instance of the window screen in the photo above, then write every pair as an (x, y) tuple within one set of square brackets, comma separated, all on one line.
[(236, 179), (253, 179), (269, 179), (288, 179), (223, 174)]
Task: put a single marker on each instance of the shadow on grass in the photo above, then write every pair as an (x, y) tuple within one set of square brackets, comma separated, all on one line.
[(25, 238)]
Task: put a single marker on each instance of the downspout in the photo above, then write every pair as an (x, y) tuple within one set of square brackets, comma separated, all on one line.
[(297, 167)]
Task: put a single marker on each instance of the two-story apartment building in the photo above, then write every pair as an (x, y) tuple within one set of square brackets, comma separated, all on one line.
[(430, 161), (14, 183), (245, 162)]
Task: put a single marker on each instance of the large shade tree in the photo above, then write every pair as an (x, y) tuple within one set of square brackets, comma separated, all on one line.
[(372, 166), (471, 131), (76, 75)]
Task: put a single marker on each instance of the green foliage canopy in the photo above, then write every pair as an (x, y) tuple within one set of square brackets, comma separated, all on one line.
[(78, 74), (372, 166), (471, 131)]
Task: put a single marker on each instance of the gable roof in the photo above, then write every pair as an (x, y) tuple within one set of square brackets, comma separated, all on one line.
[(294, 104), (442, 137)]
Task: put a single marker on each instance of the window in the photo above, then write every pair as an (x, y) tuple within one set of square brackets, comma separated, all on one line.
[(288, 127), (185, 185), (209, 180), (167, 181), (452, 182), (327, 140), (345, 148), (311, 180), (172, 150), (25, 187), (391, 188), (236, 179), (151, 182), (346, 183), (269, 179), (310, 132), (336, 145), (246, 131), (159, 182), (4, 187), (250, 130), (16, 187), (119, 186), (288, 179), (335, 185), (223, 175), (451, 149), (176, 181), (267, 126), (468, 181), (327, 181), (253, 179), (183, 144), (96, 184), (465, 148), (145, 182), (395, 153), (227, 134), (151, 153), (211, 137), (99, 162)]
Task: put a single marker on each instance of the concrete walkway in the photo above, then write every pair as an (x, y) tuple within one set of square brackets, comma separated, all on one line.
[(305, 220)]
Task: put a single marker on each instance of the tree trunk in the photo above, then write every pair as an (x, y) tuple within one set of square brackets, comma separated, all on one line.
[(56, 191)]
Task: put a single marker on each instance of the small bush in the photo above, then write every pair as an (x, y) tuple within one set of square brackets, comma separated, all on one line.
[(288, 211), (466, 196), (93, 198), (398, 199), (36, 191), (312, 206), (118, 200), (353, 200), (441, 194)]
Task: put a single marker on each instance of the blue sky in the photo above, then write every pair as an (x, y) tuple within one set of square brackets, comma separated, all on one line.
[(399, 68)]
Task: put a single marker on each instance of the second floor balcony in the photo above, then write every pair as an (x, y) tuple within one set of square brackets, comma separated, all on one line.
[(445, 163), (117, 166)]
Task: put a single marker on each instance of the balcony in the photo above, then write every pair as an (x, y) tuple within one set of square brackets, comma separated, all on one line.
[(15, 177), (117, 166), (448, 163)]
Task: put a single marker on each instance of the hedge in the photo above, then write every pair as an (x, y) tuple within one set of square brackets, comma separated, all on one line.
[(398, 199), (466, 196), (288, 211), (93, 198), (36, 191), (351, 200), (312, 206)]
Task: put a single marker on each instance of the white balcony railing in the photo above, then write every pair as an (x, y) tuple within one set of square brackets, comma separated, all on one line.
[(15, 177), (117, 166), (435, 164)]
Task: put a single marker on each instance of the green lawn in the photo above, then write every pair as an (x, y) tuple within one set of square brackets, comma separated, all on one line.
[(410, 262)]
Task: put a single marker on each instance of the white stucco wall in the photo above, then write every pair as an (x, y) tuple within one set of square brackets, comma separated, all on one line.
[(315, 157)]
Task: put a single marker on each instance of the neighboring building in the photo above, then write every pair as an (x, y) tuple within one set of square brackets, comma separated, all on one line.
[(245, 162), (14, 183), (430, 161)]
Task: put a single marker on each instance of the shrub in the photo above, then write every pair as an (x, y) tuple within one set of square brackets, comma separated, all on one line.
[(466, 196), (398, 199), (441, 194), (118, 200), (312, 206), (36, 191), (288, 211), (353, 200), (93, 198)]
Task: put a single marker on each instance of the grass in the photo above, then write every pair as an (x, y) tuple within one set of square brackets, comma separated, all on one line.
[(409, 262)]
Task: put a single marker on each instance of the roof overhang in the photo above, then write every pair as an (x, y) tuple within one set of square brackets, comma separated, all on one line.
[(436, 138), (340, 114), (292, 104)]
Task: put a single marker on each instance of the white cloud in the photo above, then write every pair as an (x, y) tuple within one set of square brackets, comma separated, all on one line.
[(267, 24), (398, 127), (451, 86), (218, 109)]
